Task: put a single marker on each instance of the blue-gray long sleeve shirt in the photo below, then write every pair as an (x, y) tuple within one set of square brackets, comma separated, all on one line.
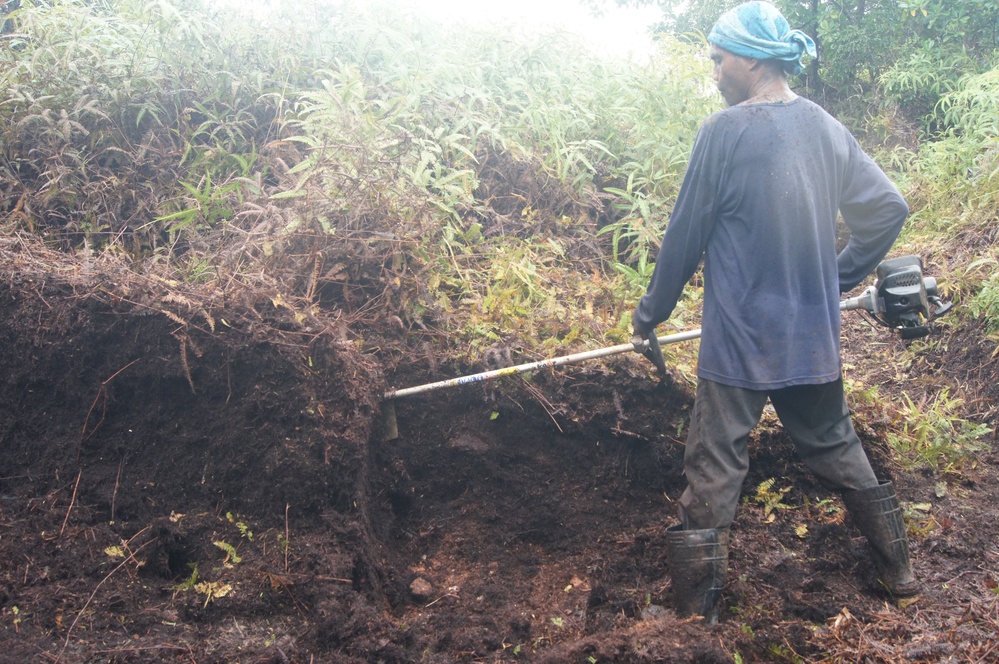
[(759, 204)]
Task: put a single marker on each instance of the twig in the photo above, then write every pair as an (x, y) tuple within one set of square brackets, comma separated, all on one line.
[(545, 404), (114, 494), (101, 391), (83, 433), (72, 501), (287, 536), (79, 615), (440, 598), (309, 577), (183, 361), (967, 571), (986, 656), (621, 432), (138, 649)]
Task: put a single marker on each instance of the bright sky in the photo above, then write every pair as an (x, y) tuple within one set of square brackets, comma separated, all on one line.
[(618, 31)]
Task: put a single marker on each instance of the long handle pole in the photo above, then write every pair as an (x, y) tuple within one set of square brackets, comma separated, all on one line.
[(864, 301), (531, 366)]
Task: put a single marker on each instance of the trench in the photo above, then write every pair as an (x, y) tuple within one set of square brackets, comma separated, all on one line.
[(493, 514)]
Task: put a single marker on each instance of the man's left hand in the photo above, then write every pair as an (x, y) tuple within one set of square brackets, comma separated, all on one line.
[(648, 345)]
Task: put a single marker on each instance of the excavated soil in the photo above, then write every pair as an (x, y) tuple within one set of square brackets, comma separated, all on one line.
[(222, 491)]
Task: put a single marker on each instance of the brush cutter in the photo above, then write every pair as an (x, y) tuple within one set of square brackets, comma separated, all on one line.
[(900, 298)]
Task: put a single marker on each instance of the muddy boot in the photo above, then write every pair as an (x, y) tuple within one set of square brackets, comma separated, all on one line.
[(697, 564), (879, 518)]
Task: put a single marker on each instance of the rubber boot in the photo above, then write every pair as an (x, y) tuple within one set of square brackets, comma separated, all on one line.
[(879, 518), (698, 561)]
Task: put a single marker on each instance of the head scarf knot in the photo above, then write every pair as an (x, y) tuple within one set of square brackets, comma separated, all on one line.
[(758, 30)]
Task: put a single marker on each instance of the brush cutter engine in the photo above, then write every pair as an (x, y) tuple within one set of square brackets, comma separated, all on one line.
[(901, 297)]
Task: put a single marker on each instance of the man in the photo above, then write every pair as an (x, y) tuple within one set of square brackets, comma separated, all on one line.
[(759, 202)]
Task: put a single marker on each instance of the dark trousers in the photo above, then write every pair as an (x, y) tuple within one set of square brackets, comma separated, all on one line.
[(716, 460)]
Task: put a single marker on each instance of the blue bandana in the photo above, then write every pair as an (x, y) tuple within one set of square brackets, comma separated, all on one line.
[(758, 30)]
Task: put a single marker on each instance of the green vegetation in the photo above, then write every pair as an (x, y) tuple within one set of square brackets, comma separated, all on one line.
[(770, 499), (359, 162), (907, 53), (933, 435), (415, 171)]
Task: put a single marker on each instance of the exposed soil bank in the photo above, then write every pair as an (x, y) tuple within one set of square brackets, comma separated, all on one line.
[(174, 489)]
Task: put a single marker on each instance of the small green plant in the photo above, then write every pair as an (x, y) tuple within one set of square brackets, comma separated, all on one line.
[(825, 510), (244, 530), (205, 204), (770, 499), (860, 394), (637, 277), (212, 590), (784, 654), (934, 435), (190, 581), (231, 557)]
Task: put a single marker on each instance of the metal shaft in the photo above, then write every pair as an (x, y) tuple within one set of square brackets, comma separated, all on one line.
[(531, 366), (867, 300)]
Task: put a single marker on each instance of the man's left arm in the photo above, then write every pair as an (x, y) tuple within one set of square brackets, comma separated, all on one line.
[(875, 212)]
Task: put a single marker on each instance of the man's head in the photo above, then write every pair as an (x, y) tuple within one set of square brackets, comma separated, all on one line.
[(757, 30), (737, 77)]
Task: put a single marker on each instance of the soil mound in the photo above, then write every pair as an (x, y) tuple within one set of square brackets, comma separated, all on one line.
[(195, 479)]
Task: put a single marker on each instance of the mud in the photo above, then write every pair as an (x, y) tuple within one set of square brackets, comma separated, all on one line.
[(175, 492)]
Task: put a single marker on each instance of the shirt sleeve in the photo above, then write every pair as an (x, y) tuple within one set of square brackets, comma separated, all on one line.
[(687, 234), (874, 211)]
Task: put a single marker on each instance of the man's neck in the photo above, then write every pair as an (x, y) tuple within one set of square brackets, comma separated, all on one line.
[(770, 90)]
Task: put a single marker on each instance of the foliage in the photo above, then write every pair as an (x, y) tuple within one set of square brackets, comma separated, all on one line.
[(231, 556), (770, 499), (985, 303), (956, 177), (212, 590), (114, 116), (970, 24), (438, 173), (970, 109), (861, 41), (932, 434), (918, 83), (497, 173)]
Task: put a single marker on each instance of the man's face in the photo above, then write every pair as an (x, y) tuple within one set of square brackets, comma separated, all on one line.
[(731, 74)]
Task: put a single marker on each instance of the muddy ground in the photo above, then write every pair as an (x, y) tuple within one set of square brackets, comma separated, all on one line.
[(216, 488)]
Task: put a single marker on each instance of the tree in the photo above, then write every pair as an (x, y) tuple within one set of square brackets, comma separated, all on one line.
[(862, 44)]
